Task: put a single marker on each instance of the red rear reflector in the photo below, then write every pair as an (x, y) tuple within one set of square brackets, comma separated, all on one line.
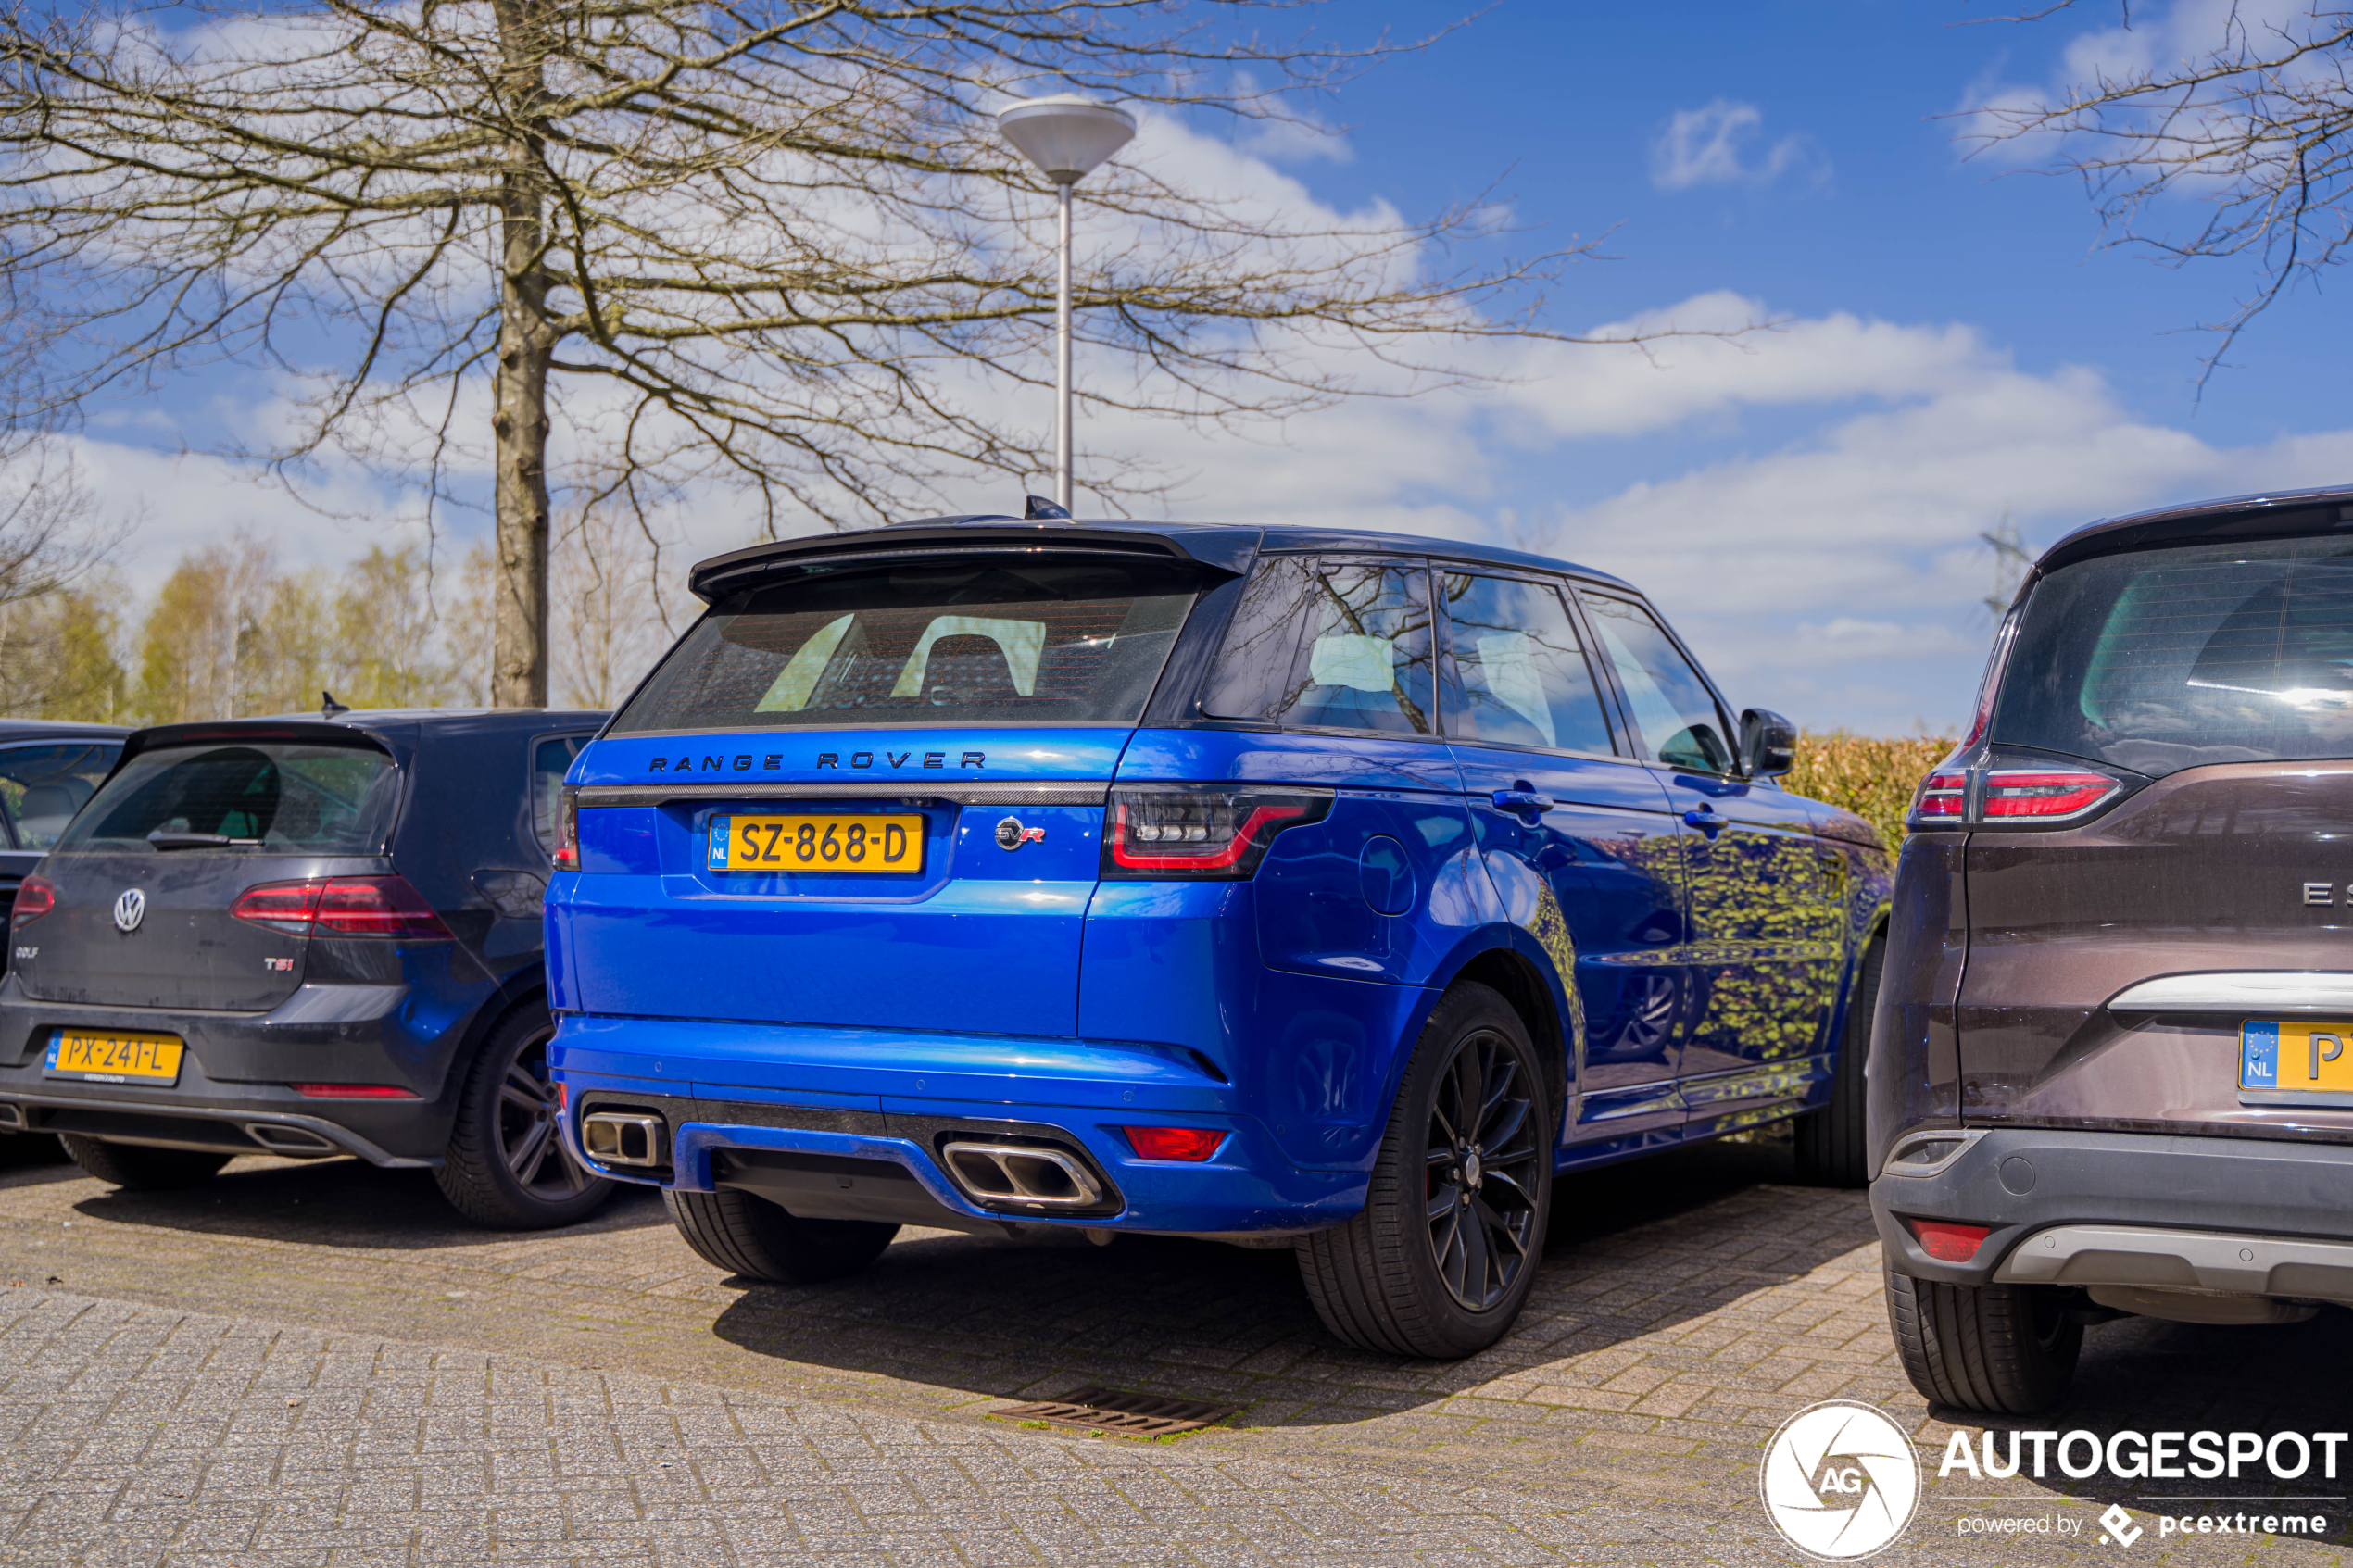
[(1943, 794), (1173, 1143), (352, 1091), (2021, 793), (36, 896), (344, 906), (1947, 1242)]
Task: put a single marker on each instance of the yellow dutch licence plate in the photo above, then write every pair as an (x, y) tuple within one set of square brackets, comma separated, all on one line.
[(114, 1058), (836, 843), (2297, 1056)]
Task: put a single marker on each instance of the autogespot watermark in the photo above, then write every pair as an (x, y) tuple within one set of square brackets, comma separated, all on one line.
[(1840, 1481)]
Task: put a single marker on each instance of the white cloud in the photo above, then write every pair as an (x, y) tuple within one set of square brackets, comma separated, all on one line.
[(1710, 146)]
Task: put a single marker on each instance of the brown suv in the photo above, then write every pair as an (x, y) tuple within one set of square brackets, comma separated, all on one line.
[(2109, 1070)]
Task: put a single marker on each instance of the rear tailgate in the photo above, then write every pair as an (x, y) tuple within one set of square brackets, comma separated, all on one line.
[(975, 704), (146, 880)]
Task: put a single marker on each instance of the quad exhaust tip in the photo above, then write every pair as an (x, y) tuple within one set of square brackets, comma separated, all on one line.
[(11, 1117), (614, 1137), (1019, 1173)]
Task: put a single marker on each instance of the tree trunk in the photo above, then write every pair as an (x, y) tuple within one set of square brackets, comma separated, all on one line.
[(526, 344)]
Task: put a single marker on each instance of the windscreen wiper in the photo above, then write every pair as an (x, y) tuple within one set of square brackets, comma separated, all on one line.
[(163, 840)]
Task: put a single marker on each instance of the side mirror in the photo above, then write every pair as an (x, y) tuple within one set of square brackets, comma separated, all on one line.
[(1768, 743)]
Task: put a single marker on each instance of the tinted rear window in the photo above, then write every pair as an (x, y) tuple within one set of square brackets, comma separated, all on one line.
[(44, 785), (976, 641), (2177, 658), (266, 797), (1329, 644)]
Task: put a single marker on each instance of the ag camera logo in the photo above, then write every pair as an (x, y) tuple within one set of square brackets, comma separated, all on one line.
[(1840, 1480)]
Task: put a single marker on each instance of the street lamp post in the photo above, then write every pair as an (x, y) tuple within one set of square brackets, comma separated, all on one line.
[(1067, 137)]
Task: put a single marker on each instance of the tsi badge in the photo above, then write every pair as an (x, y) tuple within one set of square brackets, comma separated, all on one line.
[(1840, 1480)]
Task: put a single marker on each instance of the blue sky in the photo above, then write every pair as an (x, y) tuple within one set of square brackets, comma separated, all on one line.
[(1955, 344)]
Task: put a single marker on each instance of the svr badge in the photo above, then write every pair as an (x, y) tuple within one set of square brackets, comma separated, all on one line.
[(1011, 834)]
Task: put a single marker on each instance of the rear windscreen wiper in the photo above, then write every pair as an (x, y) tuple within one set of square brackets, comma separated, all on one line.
[(163, 840)]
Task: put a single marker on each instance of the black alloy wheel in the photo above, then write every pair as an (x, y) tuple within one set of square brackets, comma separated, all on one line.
[(508, 1165), (1441, 1256), (529, 1140), (1484, 1163)]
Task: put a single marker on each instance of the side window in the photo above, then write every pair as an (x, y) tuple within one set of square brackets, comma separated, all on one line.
[(1672, 708), (1322, 644), (1519, 675), (550, 760), (44, 785)]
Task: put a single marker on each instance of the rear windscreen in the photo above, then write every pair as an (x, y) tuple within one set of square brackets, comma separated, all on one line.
[(266, 797), (960, 641), (2177, 658)]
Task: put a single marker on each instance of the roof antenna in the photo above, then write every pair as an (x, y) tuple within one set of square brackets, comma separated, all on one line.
[(1042, 510), (329, 707)]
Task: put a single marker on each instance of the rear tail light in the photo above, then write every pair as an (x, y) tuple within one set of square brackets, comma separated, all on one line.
[(568, 831), (1942, 794), (1199, 834), (2046, 792), (1188, 1144), (342, 906), (1980, 797), (353, 1091), (1947, 1242), (36, 896)]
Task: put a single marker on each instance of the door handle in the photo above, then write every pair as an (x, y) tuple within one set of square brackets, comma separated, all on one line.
[(1707, 821), (1522, 802)]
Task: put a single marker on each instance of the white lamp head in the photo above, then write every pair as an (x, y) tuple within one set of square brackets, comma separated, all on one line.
[(1066, 136)]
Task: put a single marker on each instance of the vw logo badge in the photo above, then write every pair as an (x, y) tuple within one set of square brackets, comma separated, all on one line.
[(129, 910)]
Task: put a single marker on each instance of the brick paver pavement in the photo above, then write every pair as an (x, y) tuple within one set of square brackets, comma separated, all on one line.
[(317, 1363)]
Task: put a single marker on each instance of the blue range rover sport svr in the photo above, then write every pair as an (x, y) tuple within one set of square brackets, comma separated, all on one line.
[(1272, 886)]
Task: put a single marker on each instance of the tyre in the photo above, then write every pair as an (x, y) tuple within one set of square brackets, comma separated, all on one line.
[(506, 1166), (138, 1167), (1830, 1149), (758, 1239), (2004, 1349), (1441, 1259)]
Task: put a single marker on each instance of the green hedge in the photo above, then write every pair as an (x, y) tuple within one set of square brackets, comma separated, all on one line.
[(1872, 777)]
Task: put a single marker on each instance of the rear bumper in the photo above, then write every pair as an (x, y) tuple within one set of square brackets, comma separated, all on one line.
[(323, 1034), (2130, 1208), (770, 1108)]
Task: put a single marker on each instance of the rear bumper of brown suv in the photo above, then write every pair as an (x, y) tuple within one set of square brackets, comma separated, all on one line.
[(2072, 1208)]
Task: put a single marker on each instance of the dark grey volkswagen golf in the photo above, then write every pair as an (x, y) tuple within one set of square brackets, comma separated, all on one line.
[(303, 937)]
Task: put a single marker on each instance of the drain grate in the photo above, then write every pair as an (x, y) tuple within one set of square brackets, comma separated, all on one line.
[(1093, 1409)]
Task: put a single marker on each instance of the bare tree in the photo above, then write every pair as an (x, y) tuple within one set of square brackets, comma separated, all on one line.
[(776, 242), (2253, 131), (52, 534)]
